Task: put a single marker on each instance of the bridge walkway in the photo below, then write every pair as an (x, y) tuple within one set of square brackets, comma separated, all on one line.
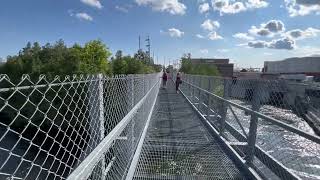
[(178, 145)]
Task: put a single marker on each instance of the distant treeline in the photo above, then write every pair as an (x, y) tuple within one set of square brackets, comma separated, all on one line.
[(58, 59)]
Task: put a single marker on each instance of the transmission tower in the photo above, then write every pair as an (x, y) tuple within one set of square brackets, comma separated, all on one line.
[(148, 47)]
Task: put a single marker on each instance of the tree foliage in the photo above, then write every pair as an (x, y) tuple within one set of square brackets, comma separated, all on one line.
[(58, 59), (198, 69), (138, 64)]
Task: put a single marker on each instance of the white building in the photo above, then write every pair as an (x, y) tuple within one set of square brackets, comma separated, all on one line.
[(307, 66)]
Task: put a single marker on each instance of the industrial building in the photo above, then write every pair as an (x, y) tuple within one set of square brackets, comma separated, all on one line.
[(293, 67), (225, 68)]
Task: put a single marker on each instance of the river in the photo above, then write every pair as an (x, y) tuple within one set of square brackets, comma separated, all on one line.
[(300, 155)]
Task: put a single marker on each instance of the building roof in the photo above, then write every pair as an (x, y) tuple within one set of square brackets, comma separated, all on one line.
[(210, 60)]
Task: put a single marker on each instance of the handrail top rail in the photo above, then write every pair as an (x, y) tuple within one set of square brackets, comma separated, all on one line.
[(288, 127), (85, 168)]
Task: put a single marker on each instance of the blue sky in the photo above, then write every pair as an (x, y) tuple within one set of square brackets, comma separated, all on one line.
[(248, 32)]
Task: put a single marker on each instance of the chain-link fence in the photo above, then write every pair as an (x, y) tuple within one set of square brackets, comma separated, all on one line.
[(49, 128), (271, 124)]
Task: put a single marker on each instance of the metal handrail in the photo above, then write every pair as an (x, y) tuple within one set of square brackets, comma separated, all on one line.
[(84, 170), (288, 127)]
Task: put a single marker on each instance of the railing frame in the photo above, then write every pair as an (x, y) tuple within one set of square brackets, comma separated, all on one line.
[(86, 167), (252, 149)]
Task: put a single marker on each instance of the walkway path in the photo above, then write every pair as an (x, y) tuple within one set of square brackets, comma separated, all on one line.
[(178, 146)]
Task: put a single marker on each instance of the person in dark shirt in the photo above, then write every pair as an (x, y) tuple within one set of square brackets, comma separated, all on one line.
[(164, 79), (178, 82)]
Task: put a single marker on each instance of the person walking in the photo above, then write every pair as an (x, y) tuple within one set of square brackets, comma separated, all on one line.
[(164, 79), (178, 82)]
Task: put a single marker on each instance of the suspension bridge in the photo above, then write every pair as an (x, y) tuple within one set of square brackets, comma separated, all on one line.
[(129, 127)]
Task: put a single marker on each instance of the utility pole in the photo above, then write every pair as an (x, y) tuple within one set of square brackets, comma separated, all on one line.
[(153, 56), (139, 43), (148, 47)]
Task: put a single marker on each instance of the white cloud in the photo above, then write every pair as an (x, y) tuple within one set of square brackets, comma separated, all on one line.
[(214, 36), (172, 6), (243, 36), (84, 16), (284, 43), (210, 25), (237, 6), (257, 44), (268, 29), (267, 54), (255, 4), (200, 36), (307, 51), (173, 32), (204, 51), (302, 7), (204, 8), (302, 34), (223, 50), (93, 3), (122, 9), (224, 7)]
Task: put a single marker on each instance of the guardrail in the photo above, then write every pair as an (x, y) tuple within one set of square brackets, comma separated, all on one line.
[(270, 146), (80, 127)]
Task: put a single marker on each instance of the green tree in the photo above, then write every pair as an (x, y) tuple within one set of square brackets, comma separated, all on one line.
[(199, 69), (58, 59), (119, 65), (134, 65), (94, 57)]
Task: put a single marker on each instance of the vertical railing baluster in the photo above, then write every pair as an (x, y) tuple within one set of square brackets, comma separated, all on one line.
[(101, 119), (132, 105), (209, 100), (253, 124), (224, 108)]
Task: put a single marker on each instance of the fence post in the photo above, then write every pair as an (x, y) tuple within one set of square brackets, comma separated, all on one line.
[(211, 84), (132, 105), (224, 109), (193, 91), (101, 106), (101, 118), (199, 96), (253, 124), (209, 100)]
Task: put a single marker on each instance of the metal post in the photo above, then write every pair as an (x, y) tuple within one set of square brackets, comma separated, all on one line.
[(253, 125), (212, 85), (132, 105), (209, 107), (224, 108), (200, 83), (101, 106), (101, 119), (194, 95), (189, 89), (209, 100)]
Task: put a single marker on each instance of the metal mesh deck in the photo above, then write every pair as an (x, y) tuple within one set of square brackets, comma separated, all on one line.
[(178, 146)]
